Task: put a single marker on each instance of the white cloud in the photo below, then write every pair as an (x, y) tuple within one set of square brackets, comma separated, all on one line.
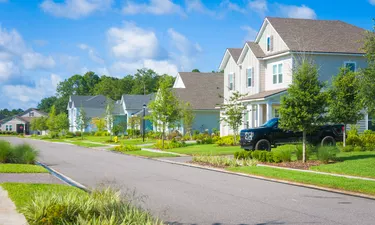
[(156, 7), (33, 60), (74, 9), (250, 33), (299, 12), (23, 96), (93, 55), (372, 2), (133, 42), (259, 6), (7, 68), (182, 44), (227, 4), (197, 6), (11, 42)]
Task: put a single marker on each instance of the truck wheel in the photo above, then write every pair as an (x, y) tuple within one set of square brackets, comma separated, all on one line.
[(328, 141), (263, 144)]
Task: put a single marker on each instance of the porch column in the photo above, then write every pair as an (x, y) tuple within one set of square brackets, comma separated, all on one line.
[(269, 110), (251, 115), (260, 115)]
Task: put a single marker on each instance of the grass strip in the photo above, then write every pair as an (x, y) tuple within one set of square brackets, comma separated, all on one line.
[(340, 183), (21, 168), (208, 149), (150, 154)]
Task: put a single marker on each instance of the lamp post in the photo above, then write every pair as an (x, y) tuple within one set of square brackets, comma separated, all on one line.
[(143, 121)]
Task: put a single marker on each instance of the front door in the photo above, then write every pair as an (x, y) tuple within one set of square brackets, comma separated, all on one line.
[(20, 128)]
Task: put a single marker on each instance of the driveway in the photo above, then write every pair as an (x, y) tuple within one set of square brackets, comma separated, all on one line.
[(185, 195)]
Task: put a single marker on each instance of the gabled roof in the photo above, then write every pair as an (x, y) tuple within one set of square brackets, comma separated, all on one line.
[(136, 101), (33, 109), (329, 36), (97, 101), (24, 119), (230, 52), (264, 94), (203, 90), (256, 49)]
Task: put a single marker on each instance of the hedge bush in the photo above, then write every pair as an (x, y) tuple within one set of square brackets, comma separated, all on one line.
[(127, 148), (169, 144), (227, 141), (243, 155), (8, 132)]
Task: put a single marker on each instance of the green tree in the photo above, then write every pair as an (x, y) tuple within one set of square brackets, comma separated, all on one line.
[(134, 122), (232, 111), (344, 100), (99, 122), (367, 75), (302, 108), (39, 123), (110, 87), (145, 82), (91, 80), (62, 122), (82, 121), (165, 109), (188, 118), (75, 85), (195, 71), (51, 121), (109, 115), (46, 103)]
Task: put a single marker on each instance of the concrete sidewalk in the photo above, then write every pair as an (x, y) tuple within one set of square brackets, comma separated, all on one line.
[(8, 212)]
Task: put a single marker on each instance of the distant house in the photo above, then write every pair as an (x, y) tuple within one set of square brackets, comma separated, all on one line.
[(94, 106), (21, 122), (133, 106), (204, 91), (263, 69)]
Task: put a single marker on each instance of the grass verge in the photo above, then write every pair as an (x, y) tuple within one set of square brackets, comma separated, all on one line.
[(150, 154), (209, 149), (340, 183), (21, 168), (351, 163)]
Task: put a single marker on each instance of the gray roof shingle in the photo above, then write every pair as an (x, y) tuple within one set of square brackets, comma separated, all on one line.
[(204, 91), (256, 49), (331, 36), (235, 53), (264, 94), (137, 101), (97, 101)]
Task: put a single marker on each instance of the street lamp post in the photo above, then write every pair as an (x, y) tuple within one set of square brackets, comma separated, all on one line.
[(143, 121)]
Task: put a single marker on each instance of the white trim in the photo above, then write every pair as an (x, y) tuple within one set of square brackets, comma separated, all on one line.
[(262, 30), (225, 60), (276, 56), (355, 64), (329, 53), (245, 48)]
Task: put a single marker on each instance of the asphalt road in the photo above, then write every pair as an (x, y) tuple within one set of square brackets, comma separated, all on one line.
[(185, 195)]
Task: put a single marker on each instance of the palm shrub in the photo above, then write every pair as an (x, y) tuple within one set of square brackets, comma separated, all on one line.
[(100, 207)]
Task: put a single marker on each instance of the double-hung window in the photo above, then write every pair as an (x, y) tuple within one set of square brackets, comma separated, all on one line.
[(230, 81), (250, 77), (277, 73), (351, 66), (6, 127), (10, 127)]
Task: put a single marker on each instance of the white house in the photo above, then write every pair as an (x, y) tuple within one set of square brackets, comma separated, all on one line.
[(263, 69)]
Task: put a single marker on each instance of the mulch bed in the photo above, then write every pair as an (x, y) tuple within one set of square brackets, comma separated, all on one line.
[(296, 164)]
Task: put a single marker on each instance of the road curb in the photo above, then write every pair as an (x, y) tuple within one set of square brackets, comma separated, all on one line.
[(336, 191), (63, 177)]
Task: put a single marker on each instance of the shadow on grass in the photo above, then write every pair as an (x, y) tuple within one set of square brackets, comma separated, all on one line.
[(356, 157)]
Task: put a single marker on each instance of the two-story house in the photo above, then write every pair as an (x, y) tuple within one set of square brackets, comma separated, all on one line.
[(264, 68)]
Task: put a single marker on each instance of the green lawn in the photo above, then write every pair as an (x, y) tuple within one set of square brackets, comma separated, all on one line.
[(353, 163), (85, 144), (103, 139), (21, 168), (149, 154), (341, 183), (211, 149), (22, 193)]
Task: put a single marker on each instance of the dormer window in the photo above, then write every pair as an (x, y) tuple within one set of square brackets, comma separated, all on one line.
[(269, 43), (31, 114)]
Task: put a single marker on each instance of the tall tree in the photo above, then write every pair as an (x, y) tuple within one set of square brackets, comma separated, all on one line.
[(302, 108), (82, 121), (367, 75), (46, 103), (51, 121), (62, 122), (344, 100), (92, 80), (145, 82), (165, 109), (109, 86), (195, 71), (188, 118), (232, 111), (75, 85), (39, 123)]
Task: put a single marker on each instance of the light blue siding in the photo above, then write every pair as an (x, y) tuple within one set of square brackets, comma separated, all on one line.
[(206, 120)]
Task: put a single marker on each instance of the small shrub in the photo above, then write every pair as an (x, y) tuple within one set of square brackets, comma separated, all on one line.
[(127, 148), (169, 144), (227, 141), (78, 133), (22, 154), (69, 135), (348, 148), (269, 157), (309, 150), (327, 153), (222, 161), (358, 149), (5, 149), (255, 154), (282, 155), (53, 135), (242, 155)]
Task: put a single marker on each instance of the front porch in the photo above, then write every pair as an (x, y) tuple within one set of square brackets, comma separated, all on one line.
[(258, 113)]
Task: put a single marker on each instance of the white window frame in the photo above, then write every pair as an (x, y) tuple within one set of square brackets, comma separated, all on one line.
[(274, 73), (10, 128), (231, 81), (6, 127), (351, 62), (249, 84)]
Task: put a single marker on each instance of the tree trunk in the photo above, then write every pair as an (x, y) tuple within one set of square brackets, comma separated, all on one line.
[(344, 138), (304, 147), (235, 138)]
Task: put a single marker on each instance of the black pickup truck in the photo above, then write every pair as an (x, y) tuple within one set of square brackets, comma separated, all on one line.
[(269, 134)]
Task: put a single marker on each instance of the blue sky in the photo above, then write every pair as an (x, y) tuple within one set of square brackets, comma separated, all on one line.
[(43, 42)]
